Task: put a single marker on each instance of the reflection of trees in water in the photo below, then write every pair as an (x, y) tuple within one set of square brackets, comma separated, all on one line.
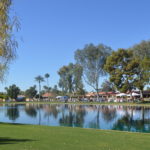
[(128, 123), (51, 110), (13, 113), (108, 113), (74, 117), (31, 111), (95, 122)]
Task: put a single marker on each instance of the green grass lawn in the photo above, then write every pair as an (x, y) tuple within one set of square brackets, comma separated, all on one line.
[(29, 137)]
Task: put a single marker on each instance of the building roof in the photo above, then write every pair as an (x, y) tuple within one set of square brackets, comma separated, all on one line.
[(48, 95)]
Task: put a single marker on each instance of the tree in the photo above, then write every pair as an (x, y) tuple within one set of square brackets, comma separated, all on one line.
[(47, 77), (70, 78), (141, 52), (8, 43), (92, 59), (143, 76), (107, 86), (3, 95), (39, 79), (55, 90), (31, 92), (47, 89), (13, 91), (122, 68)]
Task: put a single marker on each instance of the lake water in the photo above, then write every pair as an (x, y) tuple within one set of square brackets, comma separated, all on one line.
[(112, 117)]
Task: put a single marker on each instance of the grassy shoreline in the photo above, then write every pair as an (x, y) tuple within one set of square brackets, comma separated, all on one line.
[(34, 137), (83, 103)]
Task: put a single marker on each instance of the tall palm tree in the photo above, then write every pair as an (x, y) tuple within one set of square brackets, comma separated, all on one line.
[(47, 77), (39, 79)]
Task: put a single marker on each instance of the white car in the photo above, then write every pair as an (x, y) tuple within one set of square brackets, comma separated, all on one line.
[(62, 98)]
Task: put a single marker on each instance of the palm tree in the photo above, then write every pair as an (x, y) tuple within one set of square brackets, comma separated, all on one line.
[(39, 79), (47, 77)]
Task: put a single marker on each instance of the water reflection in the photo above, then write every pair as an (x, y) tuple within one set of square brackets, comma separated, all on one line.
[(127, 118), (129, 123), (72, 115), (108, 113), (13, 113), (31, 111)]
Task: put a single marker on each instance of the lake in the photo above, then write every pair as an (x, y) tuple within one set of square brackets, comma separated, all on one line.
[(110, 117)]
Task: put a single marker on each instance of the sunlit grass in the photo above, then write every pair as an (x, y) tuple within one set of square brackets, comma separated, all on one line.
[(32, 137)]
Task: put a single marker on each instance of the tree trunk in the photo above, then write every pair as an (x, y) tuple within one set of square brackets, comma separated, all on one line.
[(97, 85), (39, 91), (131, 95), (141, 94), (48, 90), (97, 94)]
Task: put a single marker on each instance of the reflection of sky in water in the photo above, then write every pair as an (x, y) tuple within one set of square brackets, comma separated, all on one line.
[(86, 116)]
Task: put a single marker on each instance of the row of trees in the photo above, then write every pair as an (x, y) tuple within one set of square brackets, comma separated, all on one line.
[(13, 91), (127, 69), (89, 66)]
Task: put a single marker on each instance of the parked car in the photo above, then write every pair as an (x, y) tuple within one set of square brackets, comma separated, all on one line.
[(62, 98)]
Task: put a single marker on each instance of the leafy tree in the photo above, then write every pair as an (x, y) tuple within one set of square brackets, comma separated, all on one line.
[(39, 79), (122, 68), (55, 90), (47, 89), (13, 91), (107, 86), (31, 92), (70, 78), (141, 52), (92, 59), (8, 43), (3, 95)]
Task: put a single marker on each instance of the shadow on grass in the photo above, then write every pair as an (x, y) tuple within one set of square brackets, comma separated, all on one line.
[(7, 140), (3, 123)]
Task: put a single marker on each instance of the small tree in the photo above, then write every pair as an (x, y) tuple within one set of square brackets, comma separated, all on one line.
[(31, 92), (71, 78), (13, 91)]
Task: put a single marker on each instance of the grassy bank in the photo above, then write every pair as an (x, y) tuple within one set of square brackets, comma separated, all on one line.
[(84, 103), (29, 137)]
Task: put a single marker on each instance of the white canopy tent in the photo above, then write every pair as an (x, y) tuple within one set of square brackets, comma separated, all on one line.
[(134, 94), (121, 95)]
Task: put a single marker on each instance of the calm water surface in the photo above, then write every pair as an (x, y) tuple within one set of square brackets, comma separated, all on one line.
[(125, 118)]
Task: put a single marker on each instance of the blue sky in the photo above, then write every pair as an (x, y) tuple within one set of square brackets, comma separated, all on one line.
[(53, 29)]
